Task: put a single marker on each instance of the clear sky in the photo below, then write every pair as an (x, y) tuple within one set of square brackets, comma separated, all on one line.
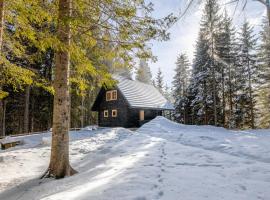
[(184, 32)]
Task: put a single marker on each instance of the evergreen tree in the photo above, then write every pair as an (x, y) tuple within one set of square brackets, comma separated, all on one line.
[(206, 70), (264, 69), (246, 78), (198, 90), (225, 57), (159, 81), (180, 85), (143, 73)]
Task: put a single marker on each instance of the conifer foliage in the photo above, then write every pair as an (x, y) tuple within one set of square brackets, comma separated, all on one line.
[(143, 73), (229, 78), (180, 85)]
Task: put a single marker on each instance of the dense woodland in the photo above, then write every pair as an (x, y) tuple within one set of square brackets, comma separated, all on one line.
[(227, 83), (106, 37)]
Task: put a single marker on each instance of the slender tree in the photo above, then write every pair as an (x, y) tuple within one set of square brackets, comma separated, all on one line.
[(59, 164), (180, 85), (159, 81), (2, 117)]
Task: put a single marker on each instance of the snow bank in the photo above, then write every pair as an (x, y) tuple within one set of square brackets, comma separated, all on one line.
[(162, 160), (253, 144)]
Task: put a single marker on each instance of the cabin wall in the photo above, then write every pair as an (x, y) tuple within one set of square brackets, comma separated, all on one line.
[(133, 115), (120, 105)]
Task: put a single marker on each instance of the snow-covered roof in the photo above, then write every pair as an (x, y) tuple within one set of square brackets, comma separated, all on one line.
[(141, 95)]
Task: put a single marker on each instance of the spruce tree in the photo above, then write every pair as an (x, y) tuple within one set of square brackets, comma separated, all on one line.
[(264, 77), (159, 81), (180, 85), (246, 78), (143, 73)]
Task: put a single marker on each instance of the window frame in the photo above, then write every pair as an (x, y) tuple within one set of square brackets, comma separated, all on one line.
[(116, 113), (111, 95), (106, 113), (114, 92)]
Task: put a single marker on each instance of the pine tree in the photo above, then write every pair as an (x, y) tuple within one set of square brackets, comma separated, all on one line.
[(59, 164), (143, 73), (198, 91), (180, 85), (159, 81), (246, 77), (225, 57), (206, 70), (264, 76)]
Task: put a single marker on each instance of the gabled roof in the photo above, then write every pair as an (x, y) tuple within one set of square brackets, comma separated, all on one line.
[(141, 95), (138, 95)]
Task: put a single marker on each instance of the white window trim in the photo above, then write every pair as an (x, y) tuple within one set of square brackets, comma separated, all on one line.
[(106, 113), (111, 95)]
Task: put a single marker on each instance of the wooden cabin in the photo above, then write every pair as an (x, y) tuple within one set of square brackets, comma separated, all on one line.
[(129, 104)]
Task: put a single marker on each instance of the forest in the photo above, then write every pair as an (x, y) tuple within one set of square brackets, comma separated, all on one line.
[(104, 37), (226, 84)]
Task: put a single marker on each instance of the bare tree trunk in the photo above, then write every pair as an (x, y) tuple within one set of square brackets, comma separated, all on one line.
[(59, 164), (250, 97), (26, 110), (2, 123), (2, 16), (32, 118), (82, 112), (3, 130), (223, 99)]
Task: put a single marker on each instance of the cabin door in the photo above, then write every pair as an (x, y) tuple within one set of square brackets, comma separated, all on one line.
[(141, 115)]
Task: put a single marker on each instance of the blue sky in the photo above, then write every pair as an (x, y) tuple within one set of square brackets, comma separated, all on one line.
[(185, 31)]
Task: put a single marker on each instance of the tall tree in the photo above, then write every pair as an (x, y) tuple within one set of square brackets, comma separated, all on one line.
[(246, 77), (159, 81), (59, 164), (263, 98), (2, 117), (180, 85), (143, 73)]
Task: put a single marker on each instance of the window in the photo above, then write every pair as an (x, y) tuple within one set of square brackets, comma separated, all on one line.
[(114, 95), (108, 96), (114, 113), (106, 113), (111, 95)]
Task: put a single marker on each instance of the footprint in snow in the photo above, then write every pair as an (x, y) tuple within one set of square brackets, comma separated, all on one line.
[(243, 187), (161, 193), (140, 198)]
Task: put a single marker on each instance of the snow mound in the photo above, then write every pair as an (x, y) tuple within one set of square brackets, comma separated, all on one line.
[(90, 128), (251, 144)]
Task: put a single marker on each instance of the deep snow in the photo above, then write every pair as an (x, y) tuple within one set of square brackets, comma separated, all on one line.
[(161, 160)]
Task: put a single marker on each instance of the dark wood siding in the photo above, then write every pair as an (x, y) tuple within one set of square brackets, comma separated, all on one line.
[(120, 105), (134, 116)]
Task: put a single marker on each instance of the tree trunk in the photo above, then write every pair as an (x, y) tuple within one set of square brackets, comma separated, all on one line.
[(59, 164), (268, 10), (1, 23), (82, 112), (3, 118), (223, 99), (2, 123), (250, 98), (26, 110), (230, 96)]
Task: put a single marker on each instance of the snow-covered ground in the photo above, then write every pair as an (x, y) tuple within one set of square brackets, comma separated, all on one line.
[(161, 160)]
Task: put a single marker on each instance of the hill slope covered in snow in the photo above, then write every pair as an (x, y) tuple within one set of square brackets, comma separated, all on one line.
[(161, 160)]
